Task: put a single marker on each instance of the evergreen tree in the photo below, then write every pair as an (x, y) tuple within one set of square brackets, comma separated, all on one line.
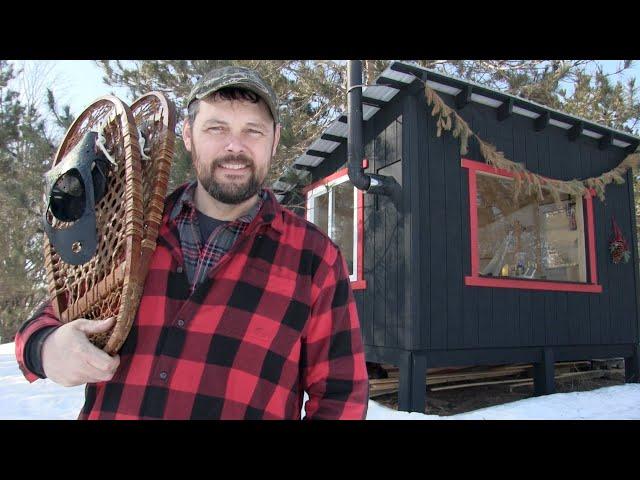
[(25, 154)]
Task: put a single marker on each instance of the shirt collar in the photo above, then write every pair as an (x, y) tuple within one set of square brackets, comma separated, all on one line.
[(185, 203)]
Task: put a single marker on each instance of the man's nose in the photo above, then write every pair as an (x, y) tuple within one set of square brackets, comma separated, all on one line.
[(235, 144)]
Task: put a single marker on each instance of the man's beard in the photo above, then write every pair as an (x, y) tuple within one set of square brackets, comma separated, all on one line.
[(230, 192)]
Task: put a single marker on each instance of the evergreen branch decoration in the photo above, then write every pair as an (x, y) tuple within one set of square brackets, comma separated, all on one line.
[(446, 118)]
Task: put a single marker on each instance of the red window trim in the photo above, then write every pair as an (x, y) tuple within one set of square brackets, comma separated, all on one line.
[(360, 283), (478, 281)]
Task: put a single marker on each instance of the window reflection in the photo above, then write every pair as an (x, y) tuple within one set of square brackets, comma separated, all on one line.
[(332, 209), (342, 228), (527, 237), (321, 212)]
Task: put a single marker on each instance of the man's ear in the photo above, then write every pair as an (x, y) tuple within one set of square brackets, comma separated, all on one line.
[(276, 139), (186, 134)]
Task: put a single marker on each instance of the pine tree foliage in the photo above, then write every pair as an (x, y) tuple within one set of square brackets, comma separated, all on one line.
[(25, 154)]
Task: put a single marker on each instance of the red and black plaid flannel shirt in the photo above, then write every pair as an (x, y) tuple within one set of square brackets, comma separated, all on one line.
[(274, 318)]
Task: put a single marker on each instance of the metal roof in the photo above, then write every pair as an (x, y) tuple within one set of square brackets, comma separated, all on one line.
[(400, 74)]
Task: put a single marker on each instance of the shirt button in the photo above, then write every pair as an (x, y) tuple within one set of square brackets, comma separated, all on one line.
[(163, 375), (179, 269), (181, 323)]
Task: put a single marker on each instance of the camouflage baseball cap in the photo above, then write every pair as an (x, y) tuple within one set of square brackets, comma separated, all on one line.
[(235, 77)]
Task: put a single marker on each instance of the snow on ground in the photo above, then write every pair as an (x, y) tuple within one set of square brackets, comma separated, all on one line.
[(20, 400), (621, 402)]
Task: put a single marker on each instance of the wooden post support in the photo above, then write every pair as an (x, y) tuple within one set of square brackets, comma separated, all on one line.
[(404, 383), (632, 366), (419, 383), (544, 374), (412, 388)]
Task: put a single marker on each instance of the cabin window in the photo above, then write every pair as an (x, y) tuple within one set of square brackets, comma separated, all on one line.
[(335, 206), (528, 242)]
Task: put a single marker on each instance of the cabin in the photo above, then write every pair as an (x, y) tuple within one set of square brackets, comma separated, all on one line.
[(453, 268)]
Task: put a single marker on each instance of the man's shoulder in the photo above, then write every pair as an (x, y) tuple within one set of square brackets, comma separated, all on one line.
[(313, 238)]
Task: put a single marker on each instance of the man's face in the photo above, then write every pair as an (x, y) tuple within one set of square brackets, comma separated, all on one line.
[(231, 144)]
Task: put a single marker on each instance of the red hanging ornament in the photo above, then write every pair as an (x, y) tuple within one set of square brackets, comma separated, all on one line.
[(618, 246)]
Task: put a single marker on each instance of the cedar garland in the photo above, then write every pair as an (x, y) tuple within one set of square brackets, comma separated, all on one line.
[(446, 118)]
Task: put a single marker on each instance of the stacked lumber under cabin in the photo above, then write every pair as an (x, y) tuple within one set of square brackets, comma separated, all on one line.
[(515, 376)]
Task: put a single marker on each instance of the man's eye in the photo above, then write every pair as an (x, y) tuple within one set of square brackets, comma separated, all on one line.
[(258, 132)]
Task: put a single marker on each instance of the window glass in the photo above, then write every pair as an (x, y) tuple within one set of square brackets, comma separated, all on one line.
[(320, 214), (528, 237), (342, 228)]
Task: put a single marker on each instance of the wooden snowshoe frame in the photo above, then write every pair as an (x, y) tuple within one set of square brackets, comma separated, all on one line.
[(128, 217)]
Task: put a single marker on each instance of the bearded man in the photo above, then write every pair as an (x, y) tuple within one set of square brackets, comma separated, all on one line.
[(246, 305)]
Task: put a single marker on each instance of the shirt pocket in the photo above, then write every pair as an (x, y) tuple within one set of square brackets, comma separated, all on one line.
[(265, 309)]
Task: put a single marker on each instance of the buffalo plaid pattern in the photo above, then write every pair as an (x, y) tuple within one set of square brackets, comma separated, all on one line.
[(274, 318)]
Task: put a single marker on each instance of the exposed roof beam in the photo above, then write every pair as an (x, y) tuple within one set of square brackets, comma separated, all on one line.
[(416, 86), (505, 110), (410, 70), (606, 141), (542, 121), (464, 97), (318, 153), (529, 107), (390, 82), (575, 131), (332, 138), (374, 102), (632, 148), (299, 166)]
